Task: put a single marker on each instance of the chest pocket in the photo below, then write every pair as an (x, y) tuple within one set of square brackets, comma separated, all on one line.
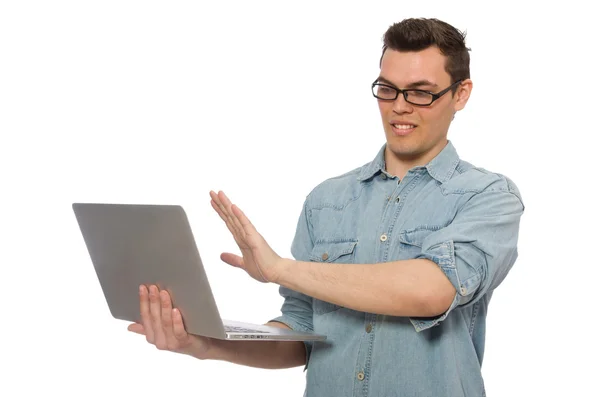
[(411, 241), (331, 252)]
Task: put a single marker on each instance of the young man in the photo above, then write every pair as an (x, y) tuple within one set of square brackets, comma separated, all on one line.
[(396, 261)]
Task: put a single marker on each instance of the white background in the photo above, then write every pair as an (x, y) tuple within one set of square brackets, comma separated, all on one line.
[(160, 102)]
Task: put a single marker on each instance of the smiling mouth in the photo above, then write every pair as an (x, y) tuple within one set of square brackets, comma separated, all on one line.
[(402, 129), (403, 126)]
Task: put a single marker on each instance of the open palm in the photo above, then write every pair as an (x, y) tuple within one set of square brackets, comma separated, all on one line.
[(258, 258)]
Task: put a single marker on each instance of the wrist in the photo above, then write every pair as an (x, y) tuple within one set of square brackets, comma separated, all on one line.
[(281, 269), (210, 349), (203, 348)]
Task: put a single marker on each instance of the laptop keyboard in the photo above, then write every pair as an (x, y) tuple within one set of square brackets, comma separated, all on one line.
[(229, 328)]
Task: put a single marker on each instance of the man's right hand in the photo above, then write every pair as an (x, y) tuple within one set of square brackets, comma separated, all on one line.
[(163, 325)]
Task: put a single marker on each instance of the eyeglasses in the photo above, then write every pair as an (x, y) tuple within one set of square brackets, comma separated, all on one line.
[(416, 97)]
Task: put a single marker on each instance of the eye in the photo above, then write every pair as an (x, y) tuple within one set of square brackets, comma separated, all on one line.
[(386, 90), (420, 94)]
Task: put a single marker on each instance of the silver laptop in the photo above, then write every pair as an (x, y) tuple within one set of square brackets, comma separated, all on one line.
[(130, 245)]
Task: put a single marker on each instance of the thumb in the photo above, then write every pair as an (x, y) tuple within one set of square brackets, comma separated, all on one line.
[(137, 328), (232, 259)]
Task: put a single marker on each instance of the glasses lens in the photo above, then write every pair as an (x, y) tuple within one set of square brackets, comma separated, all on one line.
[(384, 92), (419, 97)]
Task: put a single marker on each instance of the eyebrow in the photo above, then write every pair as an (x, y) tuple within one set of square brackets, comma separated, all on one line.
[(415, 84)]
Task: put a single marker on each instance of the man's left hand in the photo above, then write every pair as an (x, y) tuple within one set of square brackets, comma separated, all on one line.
[(258, 258)]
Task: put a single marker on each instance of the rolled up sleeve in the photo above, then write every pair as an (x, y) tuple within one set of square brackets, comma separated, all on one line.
[(297, 308), (477, 250)]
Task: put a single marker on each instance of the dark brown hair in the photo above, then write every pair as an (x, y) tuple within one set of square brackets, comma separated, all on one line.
[(416, 34)]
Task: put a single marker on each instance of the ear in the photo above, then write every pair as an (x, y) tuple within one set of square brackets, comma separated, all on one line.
[(462, 95)]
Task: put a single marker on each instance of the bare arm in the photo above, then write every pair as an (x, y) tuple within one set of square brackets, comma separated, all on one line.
[(415, 287), (268, 354)]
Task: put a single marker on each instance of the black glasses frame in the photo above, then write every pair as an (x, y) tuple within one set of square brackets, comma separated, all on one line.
[(434, 96)]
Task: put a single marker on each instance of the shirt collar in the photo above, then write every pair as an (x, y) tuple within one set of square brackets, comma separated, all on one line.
[(374, 167), (441, 167)]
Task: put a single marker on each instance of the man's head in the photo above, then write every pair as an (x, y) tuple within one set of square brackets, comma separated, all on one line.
[(427, 55)]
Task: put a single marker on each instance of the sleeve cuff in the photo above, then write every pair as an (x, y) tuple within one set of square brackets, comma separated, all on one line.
[(443, 255)]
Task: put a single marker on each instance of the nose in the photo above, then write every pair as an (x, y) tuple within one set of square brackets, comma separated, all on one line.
[(401, 106)]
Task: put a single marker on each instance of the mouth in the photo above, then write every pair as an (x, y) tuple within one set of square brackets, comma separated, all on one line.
[(402, 129)]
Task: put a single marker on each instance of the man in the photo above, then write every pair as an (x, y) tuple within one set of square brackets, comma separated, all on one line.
[(396, 261)]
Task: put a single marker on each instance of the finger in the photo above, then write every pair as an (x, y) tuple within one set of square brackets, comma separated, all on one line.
[(178, 328), (232, 259), (156, 322), (243, 220), (222, 212), (137, 328), (238, 225), (228, 222), (145, 313), (166, 319), (218, 209), (221, 206), (217, 205), (227, 203)]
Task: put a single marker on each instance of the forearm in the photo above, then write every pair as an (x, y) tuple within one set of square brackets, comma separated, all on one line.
[(415, 287), (259, 354)]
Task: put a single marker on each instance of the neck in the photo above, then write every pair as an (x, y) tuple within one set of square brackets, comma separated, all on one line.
[(398, 164)]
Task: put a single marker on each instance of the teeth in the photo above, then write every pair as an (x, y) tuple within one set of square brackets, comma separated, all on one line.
[(403, 126)]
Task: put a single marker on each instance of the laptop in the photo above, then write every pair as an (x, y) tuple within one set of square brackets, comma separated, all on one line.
[(134, 244)]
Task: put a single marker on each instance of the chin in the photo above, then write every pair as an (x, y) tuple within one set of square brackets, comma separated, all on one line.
[(405, 152), (403, 145)]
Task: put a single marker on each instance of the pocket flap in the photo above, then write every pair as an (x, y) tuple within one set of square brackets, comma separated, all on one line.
[(329, 251), (416, 236)]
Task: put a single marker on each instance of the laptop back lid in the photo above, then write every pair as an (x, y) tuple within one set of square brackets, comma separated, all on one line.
[(134, 244)]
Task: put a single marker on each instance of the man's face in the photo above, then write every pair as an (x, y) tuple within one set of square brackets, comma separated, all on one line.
[(418, 133)]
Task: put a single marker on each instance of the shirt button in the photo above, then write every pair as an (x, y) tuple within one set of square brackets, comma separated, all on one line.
[(325, 256), (397, 199), (361, 376), (383, 237), (369, 328), (463, 291), (383, 176)]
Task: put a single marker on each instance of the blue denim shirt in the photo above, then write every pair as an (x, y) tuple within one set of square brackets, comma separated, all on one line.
[(463, 218)]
